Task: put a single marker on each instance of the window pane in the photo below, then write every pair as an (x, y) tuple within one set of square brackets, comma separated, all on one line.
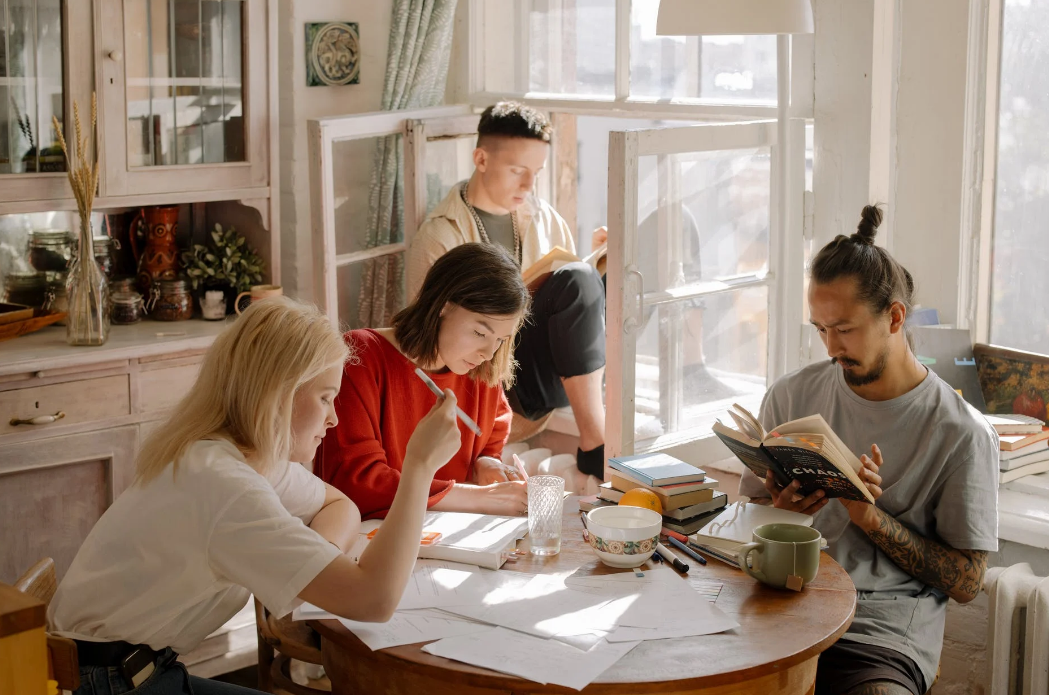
[(697, 357), (738, 69), (368, 189), (31, 81), (1020, 284), (370, 292), (448, 161), (184, 81), (553, 46)]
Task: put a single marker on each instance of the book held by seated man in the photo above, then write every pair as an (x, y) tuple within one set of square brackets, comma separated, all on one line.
[(557, 258), (806, 450)]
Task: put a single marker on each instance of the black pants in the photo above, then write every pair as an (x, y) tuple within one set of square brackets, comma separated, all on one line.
[(847, 664), (564, 337)]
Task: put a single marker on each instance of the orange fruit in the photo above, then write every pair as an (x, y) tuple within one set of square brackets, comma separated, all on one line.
[(640, 497)]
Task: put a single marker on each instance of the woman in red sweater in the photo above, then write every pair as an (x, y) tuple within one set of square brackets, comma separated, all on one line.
[(461, 330)]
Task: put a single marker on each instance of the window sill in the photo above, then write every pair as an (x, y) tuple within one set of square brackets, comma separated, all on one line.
[(1023, 511)]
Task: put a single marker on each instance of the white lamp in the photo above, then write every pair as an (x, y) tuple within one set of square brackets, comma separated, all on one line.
[(732, 17)]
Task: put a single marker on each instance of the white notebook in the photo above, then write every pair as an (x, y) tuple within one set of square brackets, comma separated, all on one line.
[(473, 539), (735, 525)]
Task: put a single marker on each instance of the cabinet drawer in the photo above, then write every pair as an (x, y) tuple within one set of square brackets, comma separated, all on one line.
[(81, 401), (160, 389)]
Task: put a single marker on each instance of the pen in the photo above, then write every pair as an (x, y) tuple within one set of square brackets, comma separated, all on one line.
[(671, 558), (524, 474), (440, 394), (687, 550)]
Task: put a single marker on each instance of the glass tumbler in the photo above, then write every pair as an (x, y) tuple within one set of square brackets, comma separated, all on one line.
[(546, 494)]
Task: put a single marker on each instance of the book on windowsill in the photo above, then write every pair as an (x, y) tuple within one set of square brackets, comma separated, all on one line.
[(806, 450), (1011, 458), (657, 469), (1023, 471), (1015, 424), (558, 257), (1014, 442)]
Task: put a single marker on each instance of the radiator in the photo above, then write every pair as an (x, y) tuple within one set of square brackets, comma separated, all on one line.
[(1018, 631)]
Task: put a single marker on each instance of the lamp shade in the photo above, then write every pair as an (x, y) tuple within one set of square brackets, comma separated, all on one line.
[(732, 17)]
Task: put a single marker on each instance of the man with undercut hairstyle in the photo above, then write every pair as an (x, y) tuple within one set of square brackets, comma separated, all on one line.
[(929, 459), (561, 349)]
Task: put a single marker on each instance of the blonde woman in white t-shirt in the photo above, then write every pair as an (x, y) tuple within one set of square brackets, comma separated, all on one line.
[(219, 510)]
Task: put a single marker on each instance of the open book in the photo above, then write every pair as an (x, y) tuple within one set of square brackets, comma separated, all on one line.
[(558, 257), (806, 450)]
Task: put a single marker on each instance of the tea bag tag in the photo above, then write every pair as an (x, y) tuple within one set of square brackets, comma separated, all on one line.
[(794, 582)]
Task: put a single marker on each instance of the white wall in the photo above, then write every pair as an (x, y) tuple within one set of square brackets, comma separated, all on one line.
[(299, 103)]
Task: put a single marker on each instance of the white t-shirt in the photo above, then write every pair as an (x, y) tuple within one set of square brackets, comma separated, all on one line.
[(171, 561)]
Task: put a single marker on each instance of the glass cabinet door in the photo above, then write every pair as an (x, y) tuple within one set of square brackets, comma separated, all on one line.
[(33, 89), (190, 87)]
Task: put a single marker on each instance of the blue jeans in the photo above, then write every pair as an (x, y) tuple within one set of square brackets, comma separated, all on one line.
[(169, 678)]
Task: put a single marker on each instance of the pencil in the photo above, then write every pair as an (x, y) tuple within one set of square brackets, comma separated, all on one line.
[(466, 419)]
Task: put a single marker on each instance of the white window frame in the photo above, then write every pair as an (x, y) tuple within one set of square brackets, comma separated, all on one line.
[(786, 345)]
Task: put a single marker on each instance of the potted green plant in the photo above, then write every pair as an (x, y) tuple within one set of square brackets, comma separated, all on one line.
[(228, 263)]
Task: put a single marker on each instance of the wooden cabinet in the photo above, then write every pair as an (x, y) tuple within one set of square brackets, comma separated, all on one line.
[(57, 478), (186, 100)]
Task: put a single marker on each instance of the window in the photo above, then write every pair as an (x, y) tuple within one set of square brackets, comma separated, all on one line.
[(1019, 312)]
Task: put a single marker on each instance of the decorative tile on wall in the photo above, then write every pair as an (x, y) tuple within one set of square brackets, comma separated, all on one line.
[(333, 54)]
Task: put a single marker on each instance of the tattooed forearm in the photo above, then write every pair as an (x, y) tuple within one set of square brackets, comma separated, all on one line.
[(957, 573)]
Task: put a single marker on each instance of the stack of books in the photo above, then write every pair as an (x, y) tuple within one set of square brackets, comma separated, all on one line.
[(689, 497), (1023, 446)]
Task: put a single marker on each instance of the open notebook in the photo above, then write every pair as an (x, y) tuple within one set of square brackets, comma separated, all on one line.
[(473, 539)]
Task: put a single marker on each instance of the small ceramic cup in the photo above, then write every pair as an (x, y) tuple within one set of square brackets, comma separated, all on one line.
[(213, 305), (257, 292)]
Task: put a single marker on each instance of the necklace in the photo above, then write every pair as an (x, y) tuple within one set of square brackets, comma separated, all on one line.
[(480, 224)]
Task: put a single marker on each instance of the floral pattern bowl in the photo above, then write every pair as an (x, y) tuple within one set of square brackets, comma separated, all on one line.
[(623, 536)]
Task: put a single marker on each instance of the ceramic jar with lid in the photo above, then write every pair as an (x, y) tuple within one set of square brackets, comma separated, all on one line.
[(170, 300), (126, 308), (50, 250), (26, 287)]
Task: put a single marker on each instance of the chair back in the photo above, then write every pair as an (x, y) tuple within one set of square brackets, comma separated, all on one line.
[(41, 582), (280, 641)]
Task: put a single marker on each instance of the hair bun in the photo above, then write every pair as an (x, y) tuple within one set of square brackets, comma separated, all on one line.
[(867, 229)]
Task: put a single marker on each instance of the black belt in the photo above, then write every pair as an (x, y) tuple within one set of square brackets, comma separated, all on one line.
[(108, 653)]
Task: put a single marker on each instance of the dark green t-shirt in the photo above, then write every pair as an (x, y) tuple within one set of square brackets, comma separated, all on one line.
[(500, 229)]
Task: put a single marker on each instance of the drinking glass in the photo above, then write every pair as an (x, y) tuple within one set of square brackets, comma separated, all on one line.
[(546, 494)]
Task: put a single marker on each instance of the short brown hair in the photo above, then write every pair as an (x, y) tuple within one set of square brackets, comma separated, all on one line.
[(481, 278), (512, 119)]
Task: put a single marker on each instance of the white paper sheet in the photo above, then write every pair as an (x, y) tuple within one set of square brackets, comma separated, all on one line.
[(702, 619), (435, 583), (409, 627), (537, 659)]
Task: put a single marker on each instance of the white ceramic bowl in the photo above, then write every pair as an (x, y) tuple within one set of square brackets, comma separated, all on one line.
[(623, 536)]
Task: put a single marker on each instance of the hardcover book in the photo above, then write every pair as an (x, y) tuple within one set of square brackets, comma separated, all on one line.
[(806, 450)]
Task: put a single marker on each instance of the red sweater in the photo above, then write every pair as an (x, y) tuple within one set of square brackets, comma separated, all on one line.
[(381, 402)]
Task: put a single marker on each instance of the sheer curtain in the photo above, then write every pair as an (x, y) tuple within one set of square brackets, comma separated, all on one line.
[(416, 72)]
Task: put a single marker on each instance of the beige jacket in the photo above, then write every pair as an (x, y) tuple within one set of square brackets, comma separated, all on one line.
[(451, 224)]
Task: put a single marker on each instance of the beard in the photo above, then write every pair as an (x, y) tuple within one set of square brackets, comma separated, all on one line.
[(871, 375)]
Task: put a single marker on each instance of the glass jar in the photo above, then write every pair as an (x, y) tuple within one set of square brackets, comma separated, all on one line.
[(27, 287), (56, 299), (126, 283), (170, 300), (105, 250), (126, 307), (50, 249)]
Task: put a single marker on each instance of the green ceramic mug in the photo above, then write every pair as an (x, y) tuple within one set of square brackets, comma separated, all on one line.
[(789, 555)]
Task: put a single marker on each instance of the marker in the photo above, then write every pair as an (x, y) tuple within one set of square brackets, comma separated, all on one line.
[(671, 558), (440, 394), (687, 550)]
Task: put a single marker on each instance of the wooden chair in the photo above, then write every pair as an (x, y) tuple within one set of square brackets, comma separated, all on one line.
[(40, 582), (280, 641)]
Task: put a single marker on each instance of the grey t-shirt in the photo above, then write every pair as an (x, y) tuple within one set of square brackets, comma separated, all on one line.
[(500, 229), (940, 479)]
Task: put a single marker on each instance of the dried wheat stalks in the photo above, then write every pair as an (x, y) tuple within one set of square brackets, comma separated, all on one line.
[(86, 312)]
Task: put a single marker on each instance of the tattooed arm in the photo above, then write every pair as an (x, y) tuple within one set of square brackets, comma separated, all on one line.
[(957, 573)]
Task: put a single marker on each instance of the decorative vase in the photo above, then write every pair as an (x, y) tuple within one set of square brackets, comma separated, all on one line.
[(87, 294)]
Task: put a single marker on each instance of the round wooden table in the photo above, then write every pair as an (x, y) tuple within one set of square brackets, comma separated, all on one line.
[(774, 650)]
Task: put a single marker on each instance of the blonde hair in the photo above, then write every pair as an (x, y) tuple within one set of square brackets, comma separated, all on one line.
[(246, 386)]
